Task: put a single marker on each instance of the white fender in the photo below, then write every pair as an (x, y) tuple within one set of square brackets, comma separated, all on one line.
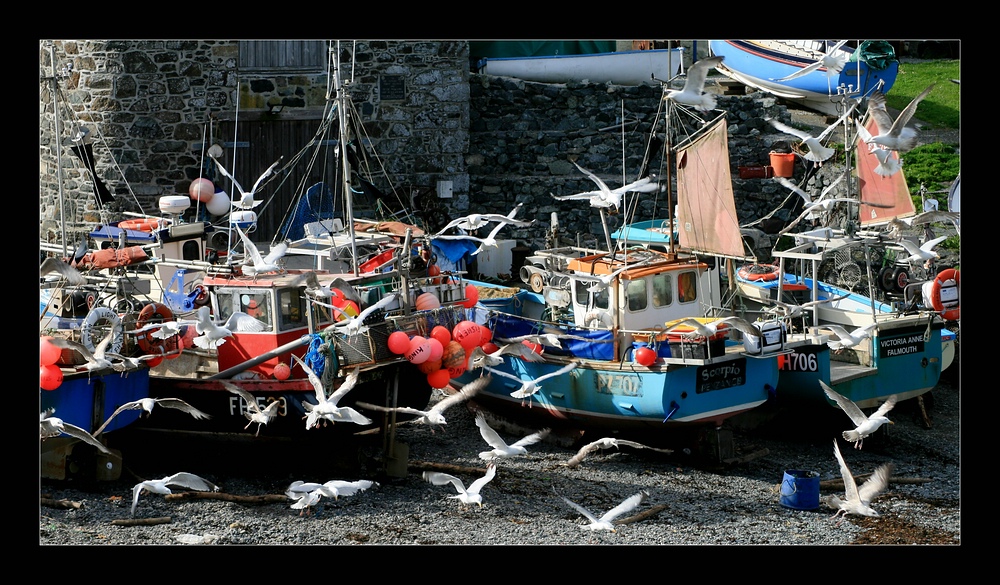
[(598, 318)]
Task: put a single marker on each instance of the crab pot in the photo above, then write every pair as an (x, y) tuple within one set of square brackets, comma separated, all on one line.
[(800, 489)]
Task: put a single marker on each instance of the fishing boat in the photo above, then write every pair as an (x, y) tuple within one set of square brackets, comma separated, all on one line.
[(616, 316), (619, 67), (852, 274), (787, 69)]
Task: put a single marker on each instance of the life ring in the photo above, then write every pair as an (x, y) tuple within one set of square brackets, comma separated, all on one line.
[(945, 293), (151, 313), (142, 224), (759, 272), (94, 325), (598, 318)]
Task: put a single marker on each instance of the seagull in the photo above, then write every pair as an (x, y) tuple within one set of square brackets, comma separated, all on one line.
[(531, 386), (866, 425), (605, 197), (833, 60), (465, 495), (164, 330), (925, 253), (308, 494), (817, 152), (246, 200), (847, 339), (254, 413), (500, 447), (125, 363), (806, 198), (356, 325), (474, 221), (434, 416), (605, 521), (858, 500), (97, 359), (700, 329), (51, 426), (161, 486), (479, 358), (261, 264), (936, 216), (490, 241), (607, 443), (549, 339), (894, 134), (888, 163), (72, 275), (146, 406), (824, 204), (326, 408), (789, 310), (694, 93), (602, 281), (212, 336)]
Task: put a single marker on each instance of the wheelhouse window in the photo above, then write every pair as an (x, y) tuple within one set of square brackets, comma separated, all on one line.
[(291, 308), (636, 295), (687, 286), (662, 290), (255, 303), (298, 55)]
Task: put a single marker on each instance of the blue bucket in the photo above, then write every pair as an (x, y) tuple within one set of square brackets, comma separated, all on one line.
[(800, 489)]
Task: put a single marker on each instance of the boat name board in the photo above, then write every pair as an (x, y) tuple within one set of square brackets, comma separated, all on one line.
[(901, 345), (721, 376), (619, 385)]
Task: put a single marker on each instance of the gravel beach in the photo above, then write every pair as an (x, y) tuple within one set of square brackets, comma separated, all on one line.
[(691, 499)]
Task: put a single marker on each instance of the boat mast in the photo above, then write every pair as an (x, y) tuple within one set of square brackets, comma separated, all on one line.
[(344, 164), (58, 141)]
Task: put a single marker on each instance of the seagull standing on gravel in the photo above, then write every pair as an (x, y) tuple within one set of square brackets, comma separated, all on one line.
[(500, 447), (894, 134), (466, 495), (607, 443), (606, 197), (693, 93), (146, 406), (817, 152), (858, 500), (308, 494), (532, 385), (211, 336), (246, 200), (326, 408), (254, 413), (162, 486), (51, 426), (846, 339), (866, 425), (605, 521)]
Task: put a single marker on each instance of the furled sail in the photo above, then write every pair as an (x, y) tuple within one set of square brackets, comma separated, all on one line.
[(706, 207), (875, 188)]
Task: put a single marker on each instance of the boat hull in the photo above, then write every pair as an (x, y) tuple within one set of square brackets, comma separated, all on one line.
[(759, 64), (87, 399), (620, 68)]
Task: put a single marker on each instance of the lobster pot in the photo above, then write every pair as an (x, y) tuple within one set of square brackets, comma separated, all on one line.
[(422, 322), (370, 347)]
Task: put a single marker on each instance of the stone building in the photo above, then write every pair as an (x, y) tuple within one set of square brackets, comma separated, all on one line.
[(153, 106)]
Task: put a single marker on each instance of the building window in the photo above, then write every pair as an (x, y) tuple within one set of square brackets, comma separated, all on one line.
[(283, 55)]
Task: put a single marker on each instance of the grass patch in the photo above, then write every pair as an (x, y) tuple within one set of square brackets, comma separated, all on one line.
[(942, 106)]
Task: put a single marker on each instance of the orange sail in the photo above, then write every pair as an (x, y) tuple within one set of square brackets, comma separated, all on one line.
[(878, 189)]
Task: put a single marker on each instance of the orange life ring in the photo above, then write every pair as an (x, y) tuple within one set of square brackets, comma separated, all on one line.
[(754, 272), (141, 224), (945, 293), (152, 313)]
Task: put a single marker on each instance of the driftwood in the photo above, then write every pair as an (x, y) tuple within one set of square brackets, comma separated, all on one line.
[(265, 499), (838, 484), (61, 504), (643, 515), (748, 457), (141, 521), (445, 467)]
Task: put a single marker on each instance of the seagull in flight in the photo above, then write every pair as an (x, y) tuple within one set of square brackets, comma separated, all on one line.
[(888, 161), (164, 330), (823, 205), (925, 253), (607, 443), (936, 216), (479, 358), (146, 406), (532, 385), (258, 264), (549, 339), (52, 426), (500, 447), (96, 360), (434, 416), (326, 408), (606, 197), (73, 276), (858, 500), (211, 336), (308, 494), (162, 486), (254, 413), (894, 134), (847, 338), (246, 200), (693, 93), (474, 221), (356, 325), (605, 521), (700, 329), (833, 60), (789, 310), (466, 495), (865, 425), (817, 152)]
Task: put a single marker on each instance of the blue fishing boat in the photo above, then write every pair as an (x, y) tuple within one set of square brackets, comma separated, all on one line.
[(787, 69)]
